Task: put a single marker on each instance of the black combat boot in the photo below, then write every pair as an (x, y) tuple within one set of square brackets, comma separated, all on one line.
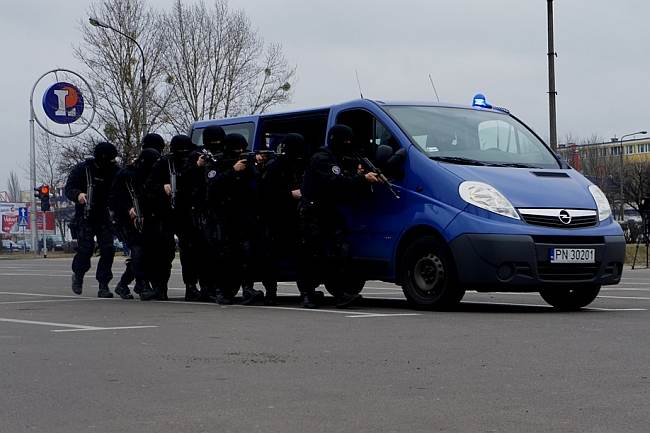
[(161, 293), (191, 293), (104, 291), (222, 298), (250, 295), (123, 291), (271, 297), (147, 293), (77, 283), (309, 301), (346, 299)]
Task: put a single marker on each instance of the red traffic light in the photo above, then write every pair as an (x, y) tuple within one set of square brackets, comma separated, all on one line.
[(45, 189)]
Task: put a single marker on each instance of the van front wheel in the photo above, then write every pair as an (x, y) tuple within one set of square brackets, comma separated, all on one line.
[(429, 277), (570, 299)]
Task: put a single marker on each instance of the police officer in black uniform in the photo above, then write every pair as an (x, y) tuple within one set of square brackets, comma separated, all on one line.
[(150, 141), (169, 190), (279, 183), (332, 177), (88, 186), (204, 163), (231, 215), (130, 213)]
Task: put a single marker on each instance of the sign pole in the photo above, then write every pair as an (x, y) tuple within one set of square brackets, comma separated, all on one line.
[(44, 235), (32, 173)]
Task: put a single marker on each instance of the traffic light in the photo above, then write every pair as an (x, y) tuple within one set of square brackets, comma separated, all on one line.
[(43, 193)]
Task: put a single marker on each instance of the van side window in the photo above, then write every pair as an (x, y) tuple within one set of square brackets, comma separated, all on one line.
[(246, 129), (311, 125), (368, 131)]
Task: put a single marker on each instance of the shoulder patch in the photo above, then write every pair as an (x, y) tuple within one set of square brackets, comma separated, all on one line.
[(212, 174), (336, 170)]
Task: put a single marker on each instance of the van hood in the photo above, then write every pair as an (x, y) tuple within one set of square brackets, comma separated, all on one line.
[(532, 188)]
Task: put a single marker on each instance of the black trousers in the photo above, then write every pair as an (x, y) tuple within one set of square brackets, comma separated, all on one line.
[(323, 248), (85, 233), (159, 251)]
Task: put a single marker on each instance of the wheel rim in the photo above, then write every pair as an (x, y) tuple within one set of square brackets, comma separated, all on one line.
[(428, 274)]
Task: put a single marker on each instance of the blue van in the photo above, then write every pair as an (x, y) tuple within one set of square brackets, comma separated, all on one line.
[(484, 204)]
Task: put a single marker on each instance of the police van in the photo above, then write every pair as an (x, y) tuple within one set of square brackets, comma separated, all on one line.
[(483, 203)]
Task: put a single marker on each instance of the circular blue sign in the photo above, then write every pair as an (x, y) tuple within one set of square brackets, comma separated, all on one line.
[(63, 103)]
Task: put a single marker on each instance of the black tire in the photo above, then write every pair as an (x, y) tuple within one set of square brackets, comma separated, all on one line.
[(429, 275), (570, 299), (351, 286)]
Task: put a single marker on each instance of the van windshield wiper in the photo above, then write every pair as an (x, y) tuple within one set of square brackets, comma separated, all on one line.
[(511, 164), (457, 160)]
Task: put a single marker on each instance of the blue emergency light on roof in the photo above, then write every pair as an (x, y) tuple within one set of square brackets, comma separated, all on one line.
[(480, 101)]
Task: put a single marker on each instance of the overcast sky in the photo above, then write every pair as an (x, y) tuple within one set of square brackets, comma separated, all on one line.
[(497, 47)]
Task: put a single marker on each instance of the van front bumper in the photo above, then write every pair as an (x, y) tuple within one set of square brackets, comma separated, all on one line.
[(521, 262)]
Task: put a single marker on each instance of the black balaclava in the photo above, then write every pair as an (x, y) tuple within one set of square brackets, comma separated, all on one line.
[(213, 139), (104, 154), (181, 146), (340, 140), (234, 144), (292, 147), (153, 141), (144, 163)]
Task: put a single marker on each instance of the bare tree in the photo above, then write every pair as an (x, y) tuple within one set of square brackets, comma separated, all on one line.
[(636, 184), (219, 65), (114, 67), (13, 187), (52, 168)]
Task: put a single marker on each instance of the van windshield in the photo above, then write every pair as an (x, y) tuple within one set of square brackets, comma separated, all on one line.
[(472, 137)]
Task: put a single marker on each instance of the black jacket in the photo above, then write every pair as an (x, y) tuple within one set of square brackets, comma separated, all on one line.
[(102, 180), (330, 181), (160, 203)]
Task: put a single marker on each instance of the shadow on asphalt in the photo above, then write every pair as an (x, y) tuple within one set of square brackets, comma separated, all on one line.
[(402, 304)]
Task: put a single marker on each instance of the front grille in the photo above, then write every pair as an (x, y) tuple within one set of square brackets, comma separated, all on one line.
[(567, 271), (551, 218), (568, 240)]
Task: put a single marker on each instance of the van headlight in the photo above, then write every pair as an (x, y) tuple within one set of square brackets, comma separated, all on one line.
[(604, 210), (487, 197)]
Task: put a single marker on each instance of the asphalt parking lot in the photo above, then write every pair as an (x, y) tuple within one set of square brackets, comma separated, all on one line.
[(499, 363)]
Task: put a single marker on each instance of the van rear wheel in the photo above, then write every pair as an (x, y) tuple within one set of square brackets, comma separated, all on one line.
[(570, 299), (429, 276)]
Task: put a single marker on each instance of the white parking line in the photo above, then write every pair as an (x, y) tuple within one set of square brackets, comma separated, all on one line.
[(42, 301), (73, 327)]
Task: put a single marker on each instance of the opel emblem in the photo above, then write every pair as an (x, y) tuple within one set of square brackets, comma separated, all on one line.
[(565, 217)]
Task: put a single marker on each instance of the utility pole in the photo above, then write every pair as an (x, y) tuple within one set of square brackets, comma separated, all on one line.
[(551, 78)]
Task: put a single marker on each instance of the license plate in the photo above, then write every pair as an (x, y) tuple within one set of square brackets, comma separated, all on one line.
[(572, 255)]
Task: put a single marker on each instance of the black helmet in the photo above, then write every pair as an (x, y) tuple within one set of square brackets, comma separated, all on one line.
[(340, 140), (292, 146), (235, 143), (213, 138), (105, 154), (181, 145), (153, 141)]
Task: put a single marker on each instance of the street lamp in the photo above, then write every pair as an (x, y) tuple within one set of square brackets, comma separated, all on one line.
[(143, 79), (622, 208)]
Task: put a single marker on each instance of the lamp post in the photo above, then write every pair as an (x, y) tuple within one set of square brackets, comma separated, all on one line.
[(552, 93), (143, 79), (622, 208)]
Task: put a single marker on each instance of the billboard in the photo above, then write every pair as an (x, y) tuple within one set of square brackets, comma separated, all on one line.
[(9, 213)]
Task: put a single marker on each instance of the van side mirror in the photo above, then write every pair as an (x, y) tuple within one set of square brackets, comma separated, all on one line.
[(382, 154)]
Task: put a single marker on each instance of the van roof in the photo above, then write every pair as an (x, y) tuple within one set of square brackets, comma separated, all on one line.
[(350, 104)]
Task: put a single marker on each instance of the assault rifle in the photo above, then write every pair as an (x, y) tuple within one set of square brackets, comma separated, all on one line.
[(89, 194), (136, 205), (172, 180), (368, 165)]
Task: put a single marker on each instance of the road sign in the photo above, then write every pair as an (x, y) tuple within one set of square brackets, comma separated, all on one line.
[(23, 216), (63, 103)]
